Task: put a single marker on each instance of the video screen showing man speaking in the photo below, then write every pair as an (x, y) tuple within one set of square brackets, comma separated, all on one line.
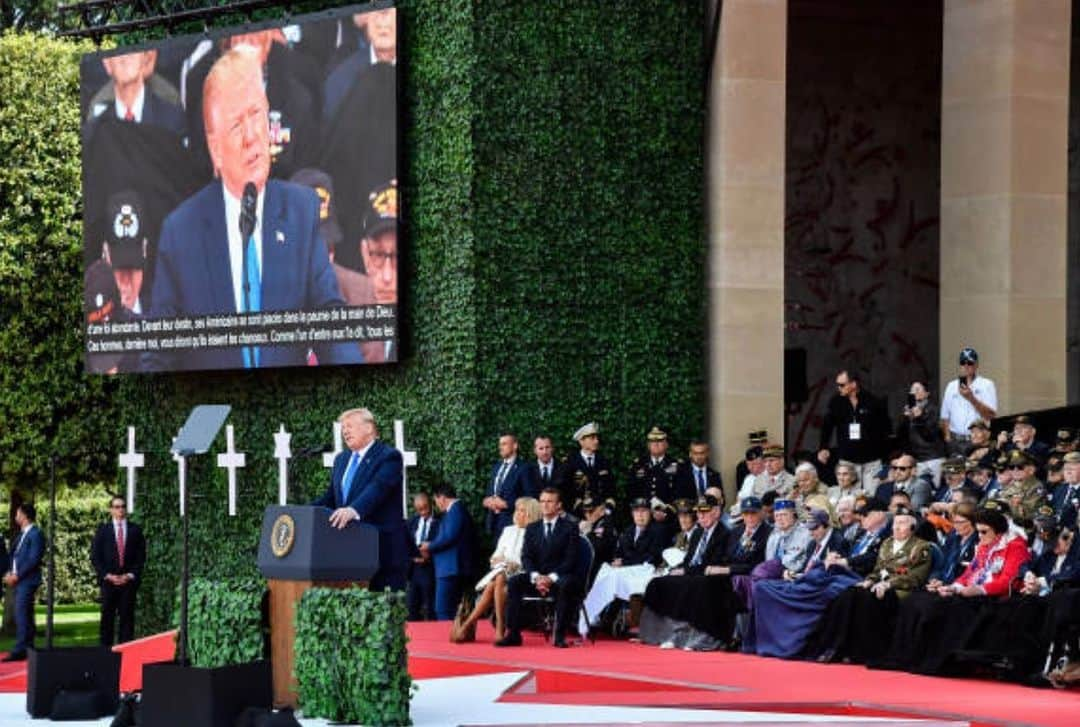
[(242, 191)]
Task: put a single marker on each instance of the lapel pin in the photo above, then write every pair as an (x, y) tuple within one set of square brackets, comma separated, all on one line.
[(280, 237)]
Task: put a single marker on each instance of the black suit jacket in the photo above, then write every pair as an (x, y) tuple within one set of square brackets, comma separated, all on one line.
[(414, 552), (648, 547), (742, 558), (835, 544), (598, 480), (534, 484), (686, 487), (715, 550), (105, 557), (557, 554)]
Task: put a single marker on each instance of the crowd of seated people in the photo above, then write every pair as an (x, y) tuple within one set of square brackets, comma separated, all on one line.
[(975, 570)]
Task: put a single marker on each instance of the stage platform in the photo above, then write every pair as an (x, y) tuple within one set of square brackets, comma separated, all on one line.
[(621, 683)]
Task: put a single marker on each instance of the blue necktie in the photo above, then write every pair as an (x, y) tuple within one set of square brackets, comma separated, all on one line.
[(863, 542), (350, 474), (701, 482), (252, 298)]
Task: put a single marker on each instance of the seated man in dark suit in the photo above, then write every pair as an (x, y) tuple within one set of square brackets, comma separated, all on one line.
[(366, 485), (24, 576), (451, 550), (216, 257), (549, 560), (423, 527)]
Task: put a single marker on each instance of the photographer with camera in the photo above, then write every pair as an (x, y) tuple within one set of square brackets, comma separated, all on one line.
[(920, 433), (968, 398)]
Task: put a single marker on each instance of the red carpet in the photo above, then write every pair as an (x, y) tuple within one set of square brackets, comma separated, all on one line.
[(621, 673)]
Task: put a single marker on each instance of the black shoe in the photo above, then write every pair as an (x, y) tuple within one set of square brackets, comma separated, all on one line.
[(509, 640), (560, 643), (15, 656)]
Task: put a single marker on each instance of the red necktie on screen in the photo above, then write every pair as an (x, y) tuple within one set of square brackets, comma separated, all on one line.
[(129, 116), (120, 544)]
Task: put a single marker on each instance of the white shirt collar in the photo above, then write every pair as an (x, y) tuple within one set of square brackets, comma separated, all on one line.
[(375, 59), (136, 108), (236, 245), (363, 452)]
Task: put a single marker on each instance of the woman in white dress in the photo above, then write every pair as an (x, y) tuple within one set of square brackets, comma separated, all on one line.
[(505, 562)]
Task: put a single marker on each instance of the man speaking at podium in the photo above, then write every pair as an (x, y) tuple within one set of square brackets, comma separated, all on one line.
[(243, 244), (366, 485)]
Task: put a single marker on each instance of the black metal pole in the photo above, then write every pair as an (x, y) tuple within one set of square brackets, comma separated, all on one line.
[(184, 572), (51, 589)]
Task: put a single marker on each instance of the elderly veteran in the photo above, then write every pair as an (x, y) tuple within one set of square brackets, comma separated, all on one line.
[(694, 607), (858, 625), (637, 557), (1025, 494)]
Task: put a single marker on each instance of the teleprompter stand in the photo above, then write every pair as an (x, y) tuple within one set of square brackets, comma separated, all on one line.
[(178, 694)]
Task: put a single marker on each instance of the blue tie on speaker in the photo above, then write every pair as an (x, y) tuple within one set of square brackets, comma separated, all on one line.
[(348, 477), (252, 298)]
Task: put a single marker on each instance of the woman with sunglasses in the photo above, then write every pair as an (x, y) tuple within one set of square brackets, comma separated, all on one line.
[(932, 625)]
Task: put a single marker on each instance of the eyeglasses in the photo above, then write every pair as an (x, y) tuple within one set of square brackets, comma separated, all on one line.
[(960, 520), (1016, 466), (842, 384)]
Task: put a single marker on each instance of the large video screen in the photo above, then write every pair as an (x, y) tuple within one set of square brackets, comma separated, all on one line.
[(241, 198)]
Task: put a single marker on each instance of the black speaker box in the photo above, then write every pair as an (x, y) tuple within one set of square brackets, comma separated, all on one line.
[(94, 668), (184, 696), (796, 390)]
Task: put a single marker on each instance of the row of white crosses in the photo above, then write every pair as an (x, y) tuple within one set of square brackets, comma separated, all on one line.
[(231, 460)]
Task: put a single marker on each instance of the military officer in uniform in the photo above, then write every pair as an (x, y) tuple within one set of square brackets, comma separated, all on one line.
[(1025, 494), (652, 477), (598, 526), (588, 471)]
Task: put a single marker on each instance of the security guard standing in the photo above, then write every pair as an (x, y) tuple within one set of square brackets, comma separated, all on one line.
[(1025, 494)]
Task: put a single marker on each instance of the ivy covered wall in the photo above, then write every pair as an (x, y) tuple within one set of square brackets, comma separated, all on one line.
[(553, 270)]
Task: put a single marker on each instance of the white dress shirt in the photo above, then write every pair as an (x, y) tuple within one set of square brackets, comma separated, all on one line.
[(236, 245)]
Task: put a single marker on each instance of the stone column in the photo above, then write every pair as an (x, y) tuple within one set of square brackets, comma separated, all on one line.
[(1004, 155), (745, 203)]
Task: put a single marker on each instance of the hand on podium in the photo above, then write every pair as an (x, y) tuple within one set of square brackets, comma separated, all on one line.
[(343, 516)]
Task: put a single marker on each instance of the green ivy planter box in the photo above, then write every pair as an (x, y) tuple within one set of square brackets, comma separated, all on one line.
[(351, 662)]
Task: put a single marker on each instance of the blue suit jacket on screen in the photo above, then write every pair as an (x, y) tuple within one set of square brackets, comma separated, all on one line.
[(375, 494), (452, 548), (192, 275)]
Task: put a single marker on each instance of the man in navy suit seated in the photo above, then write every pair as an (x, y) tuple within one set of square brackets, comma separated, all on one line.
[(423, 526), (548, 566), (366, 485), (24, 576), (507, 484), (204, 266), (451, 550)]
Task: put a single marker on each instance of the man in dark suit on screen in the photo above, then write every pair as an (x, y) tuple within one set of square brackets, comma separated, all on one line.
[(24, 577), (549, 559), (366, 484), (118, 554), (244, 244)]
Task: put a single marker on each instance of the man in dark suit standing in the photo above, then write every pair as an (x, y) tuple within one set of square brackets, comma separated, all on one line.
[(118, 553), (451, 550), (696, 476), (217, 256), (24, 576), (366, 484), (548, 566), (546, 471), (588, 471), (506, 485), (423, 526)]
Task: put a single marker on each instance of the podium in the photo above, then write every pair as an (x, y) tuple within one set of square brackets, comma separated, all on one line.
[(298, 550)]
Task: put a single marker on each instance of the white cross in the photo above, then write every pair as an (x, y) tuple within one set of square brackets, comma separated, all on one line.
[(408, 459), (131, 460), (181, 465), (230, 459), (282, 454), (328, 457)]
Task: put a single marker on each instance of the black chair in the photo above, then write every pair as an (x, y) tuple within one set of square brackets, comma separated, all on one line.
[(546, 604)]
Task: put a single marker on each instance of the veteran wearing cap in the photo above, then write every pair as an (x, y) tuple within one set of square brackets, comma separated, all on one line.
[(773, 477), (1066, 440), (1025, 494), (788, 541), (101, 304), (1023, 438), (1066, 502), (967, 397), (757, 439), (637, 556), (126, 247), (598, 526), (588, 471)]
